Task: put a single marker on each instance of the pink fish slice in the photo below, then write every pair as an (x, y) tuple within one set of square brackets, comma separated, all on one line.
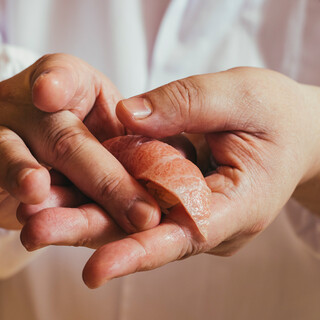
[(166, 174)]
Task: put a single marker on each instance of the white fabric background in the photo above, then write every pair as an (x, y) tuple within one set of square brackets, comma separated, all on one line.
[(275, 276)]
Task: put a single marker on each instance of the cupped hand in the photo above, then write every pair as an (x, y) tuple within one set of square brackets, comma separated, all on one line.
[(53, 114), (263, 134)]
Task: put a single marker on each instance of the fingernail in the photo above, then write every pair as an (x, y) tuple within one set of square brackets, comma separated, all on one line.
[(139, 108), (140, 215)]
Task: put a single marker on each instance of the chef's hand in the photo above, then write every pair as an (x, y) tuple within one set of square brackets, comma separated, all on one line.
[(45, 114), (263, 132)]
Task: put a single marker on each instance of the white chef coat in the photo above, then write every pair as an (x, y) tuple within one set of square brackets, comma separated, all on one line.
[(140, 44)]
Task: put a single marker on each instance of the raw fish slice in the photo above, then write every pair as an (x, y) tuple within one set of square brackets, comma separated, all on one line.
[(167, 175)]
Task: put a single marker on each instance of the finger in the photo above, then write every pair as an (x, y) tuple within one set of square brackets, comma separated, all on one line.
[(20, 173), (78, 155), (58, 197), (69, 147), (199, 104), (172, 240), (64, 82), (139, 252), (87, 226)]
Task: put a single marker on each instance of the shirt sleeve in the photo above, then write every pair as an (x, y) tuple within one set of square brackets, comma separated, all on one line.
[(306, 226), (13, 256)]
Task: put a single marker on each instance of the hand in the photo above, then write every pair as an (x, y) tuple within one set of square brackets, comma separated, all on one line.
[(32, 139), (262, 129)]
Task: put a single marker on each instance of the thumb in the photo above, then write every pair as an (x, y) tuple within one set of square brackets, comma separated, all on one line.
[(197, 104), (64, 82), (53, 81)]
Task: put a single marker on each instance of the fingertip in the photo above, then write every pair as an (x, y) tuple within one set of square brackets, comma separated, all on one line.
[(110, 261), (90, 283), (29, 237), (53, 89), (144, 216), (91, 275), (33, 185), (41, 230), (113, 260)]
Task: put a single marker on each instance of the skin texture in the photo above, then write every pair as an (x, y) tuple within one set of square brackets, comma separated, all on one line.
[(53, 114), (262, 131)]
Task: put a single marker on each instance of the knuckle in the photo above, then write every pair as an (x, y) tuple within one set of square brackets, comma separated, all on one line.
[(83, 240), (248, 92), (187, 251), (44, 64), (50, 57), (38, 66), (193, 244), (109, 186), (64, 142), (44, 58), (183, 94), (248, 86)]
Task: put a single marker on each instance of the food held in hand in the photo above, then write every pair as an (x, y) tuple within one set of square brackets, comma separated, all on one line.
[(167, 175)]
